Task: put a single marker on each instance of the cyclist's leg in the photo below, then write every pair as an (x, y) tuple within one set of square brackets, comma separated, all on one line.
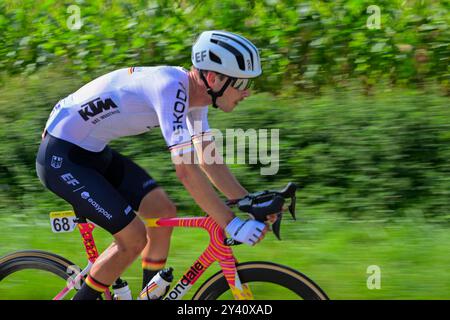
[(142, 192), (127, 245), (156, 204)]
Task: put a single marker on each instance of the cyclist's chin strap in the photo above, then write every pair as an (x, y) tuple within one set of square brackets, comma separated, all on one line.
[(214, 95)]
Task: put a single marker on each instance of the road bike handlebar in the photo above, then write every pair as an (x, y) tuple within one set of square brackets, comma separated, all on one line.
[(260, 205)]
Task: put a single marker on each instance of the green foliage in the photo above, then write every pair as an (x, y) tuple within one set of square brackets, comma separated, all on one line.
[(304, 44), (382, 156)]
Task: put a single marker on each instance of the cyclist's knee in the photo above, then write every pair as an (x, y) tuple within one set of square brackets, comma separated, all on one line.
[(132, 239), (140, 239), (169, 210), (165, 210), (133, 247), (157, 205)]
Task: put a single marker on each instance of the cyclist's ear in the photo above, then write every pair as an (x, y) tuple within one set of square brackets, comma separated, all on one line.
[(210, 78), (214, 77)]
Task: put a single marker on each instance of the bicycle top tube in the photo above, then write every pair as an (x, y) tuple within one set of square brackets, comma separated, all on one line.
[(207, 223), (190, 222), (217, 247)]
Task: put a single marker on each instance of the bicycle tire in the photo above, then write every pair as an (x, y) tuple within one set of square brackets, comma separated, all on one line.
[(34, 260), (261, 271)]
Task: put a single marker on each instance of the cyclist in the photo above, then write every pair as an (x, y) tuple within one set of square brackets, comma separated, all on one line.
[(75, 162)]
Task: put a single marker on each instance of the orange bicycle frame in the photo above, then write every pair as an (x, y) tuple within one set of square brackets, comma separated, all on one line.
[(216, 251)]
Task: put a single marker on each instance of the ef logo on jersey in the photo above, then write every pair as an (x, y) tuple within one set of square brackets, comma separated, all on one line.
[(69, 179)]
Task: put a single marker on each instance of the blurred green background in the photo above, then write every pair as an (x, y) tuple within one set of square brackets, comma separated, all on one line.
[(362, 109)]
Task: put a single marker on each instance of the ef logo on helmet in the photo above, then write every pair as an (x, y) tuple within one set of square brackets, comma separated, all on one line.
[(200, 56)]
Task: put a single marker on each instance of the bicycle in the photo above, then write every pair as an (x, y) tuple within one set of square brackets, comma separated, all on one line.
[(234, 277)]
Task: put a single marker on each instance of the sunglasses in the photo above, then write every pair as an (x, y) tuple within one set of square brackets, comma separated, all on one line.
[(241, 84)]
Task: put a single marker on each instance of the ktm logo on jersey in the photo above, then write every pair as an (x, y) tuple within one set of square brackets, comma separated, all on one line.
[(95, 107)]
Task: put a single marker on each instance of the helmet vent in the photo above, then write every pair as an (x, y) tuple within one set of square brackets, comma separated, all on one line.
[(234, 51), (243, 42), (214, 57)]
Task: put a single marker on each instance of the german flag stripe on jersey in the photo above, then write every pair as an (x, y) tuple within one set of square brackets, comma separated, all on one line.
[(204, 136), (181, 148), (94, 284), (130, 70), (181, 145)]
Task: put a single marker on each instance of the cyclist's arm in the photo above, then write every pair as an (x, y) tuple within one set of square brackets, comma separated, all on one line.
[(202, 191), (212, 164), (168, 99), (249, 231)]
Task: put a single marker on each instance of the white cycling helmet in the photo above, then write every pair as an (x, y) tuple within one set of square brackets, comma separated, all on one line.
[(226, 53), (229, 54)]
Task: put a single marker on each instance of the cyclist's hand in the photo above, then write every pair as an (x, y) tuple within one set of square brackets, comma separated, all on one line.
[(249, 231), (271, 218), (266, 228)]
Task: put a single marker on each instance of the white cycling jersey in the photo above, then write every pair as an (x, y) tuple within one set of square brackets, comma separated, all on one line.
[(128, 102)]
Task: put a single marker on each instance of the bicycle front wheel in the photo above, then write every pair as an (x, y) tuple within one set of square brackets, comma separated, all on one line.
[(267, 281), (33, 274)]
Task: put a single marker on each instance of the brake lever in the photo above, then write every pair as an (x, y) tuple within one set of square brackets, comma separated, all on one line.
[(292, 207), (247, 204), (276, 226)]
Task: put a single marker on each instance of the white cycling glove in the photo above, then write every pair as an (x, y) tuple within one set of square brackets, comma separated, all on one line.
[(248, 231)]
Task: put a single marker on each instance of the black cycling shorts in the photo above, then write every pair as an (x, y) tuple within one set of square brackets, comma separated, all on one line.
[(104, 187)]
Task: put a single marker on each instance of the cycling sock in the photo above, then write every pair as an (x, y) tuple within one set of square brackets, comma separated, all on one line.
[(90, 290), (150, 268)]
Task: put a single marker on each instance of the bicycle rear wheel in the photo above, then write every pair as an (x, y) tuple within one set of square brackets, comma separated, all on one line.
[(33, 274), (268, 281)]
